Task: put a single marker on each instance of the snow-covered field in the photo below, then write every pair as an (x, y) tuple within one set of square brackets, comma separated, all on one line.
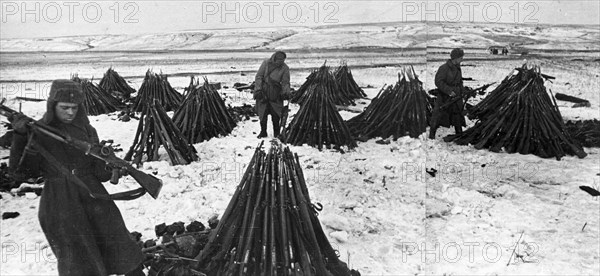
[(383, 212)]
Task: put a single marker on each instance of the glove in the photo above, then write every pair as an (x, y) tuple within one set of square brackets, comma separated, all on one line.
[(116, 174), (19, 123), (259, 95), (123, 172)]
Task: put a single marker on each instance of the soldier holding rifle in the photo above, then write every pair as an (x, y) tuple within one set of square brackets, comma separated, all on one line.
[(87, 235), (272, 86), (449, 82)]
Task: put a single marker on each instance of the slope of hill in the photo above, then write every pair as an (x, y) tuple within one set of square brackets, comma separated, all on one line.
[(383, 35)]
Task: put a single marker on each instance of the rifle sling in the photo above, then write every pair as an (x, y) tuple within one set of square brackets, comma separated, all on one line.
[(127, 195), (450, 102)]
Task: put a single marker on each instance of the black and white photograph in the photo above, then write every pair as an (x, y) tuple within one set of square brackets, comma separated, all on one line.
[(297, 138)]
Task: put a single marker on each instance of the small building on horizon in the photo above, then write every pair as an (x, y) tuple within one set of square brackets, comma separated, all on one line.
[(498, 50)]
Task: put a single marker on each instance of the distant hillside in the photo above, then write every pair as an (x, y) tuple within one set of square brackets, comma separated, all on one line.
[(376, 35)]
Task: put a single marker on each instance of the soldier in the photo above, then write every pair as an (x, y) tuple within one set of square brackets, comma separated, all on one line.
[(87, 235), (449, 82), (272, 86)]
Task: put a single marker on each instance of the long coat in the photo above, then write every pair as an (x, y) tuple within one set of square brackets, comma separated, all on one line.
[(274, 83), (88, 236), (448, 79)]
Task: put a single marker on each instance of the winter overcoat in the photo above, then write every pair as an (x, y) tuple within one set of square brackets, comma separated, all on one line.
[(87, 235), (272, 86), (448, 79)]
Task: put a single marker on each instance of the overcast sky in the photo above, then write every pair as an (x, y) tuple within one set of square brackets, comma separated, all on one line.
[(21, 19)]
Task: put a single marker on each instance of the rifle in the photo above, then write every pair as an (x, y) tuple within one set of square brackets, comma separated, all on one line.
[(241, 88), (101, 151), (283, 122), (470, 93)]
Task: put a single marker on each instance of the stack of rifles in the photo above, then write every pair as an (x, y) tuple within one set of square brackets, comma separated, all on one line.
[(347, 84), (398, 110), (520, 116), (156, 128), (270, 226), (96, 100), (116, 85), (203, 115), (339, 86), (157, 87), (317, 122), (586, 132)]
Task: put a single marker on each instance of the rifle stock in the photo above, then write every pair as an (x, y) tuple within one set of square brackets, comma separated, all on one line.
[(283, 122), (150, 183)]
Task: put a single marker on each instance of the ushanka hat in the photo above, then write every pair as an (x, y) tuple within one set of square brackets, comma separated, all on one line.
[(456, 53), (66, 91)]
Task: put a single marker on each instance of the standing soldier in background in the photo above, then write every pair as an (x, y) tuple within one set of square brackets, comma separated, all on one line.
[(272, 86), (449, 82), (87, 235)]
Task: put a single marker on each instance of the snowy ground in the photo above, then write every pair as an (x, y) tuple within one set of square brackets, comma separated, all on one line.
[(384, 213)]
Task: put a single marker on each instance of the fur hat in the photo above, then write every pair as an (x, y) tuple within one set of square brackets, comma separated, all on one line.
[(281, 53), (456, 53), (66, 91)]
